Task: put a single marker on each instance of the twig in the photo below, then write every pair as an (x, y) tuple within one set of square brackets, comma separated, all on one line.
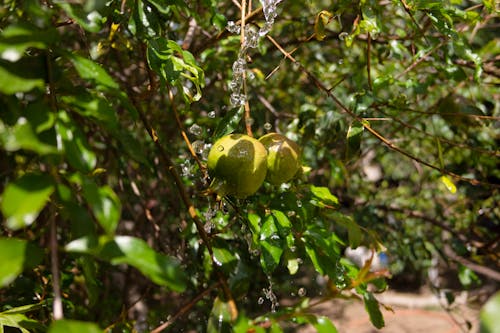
[(185, 308), (57, 308), (184, 135), (368, 70)]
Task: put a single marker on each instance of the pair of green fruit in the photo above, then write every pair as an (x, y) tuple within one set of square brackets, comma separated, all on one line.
[(239, 164)]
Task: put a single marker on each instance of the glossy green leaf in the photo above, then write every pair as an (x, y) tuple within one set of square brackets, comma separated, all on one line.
[(322, 19), (19, 321), (173, 63), (16, 255), (73, 326), (92, 71), (229, 123), (223, 256), (24, 198), (220, 317), (282, 222), (354, 134), (373, 309), (74, 144), (22, 136), (161, 269), (324, 195), (322, 324), (272, 245), (91, 21), (489, 319), (93, 106), (105, 204), (17, 38), (24, 75)]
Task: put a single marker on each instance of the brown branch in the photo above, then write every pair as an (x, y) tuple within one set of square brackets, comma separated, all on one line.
[(368, 70), (185, 308), (486, 271)]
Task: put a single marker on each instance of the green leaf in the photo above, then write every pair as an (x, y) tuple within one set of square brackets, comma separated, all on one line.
[(23, 136), (173, 64), (489, 319), (73, 326), (161, 269), (373, 309), (22, 76), (223, 256), (322, 19), (450, 186), (92, 71), (19, 321), (323, 325), (16, 255), (354, 134), (17, 38), (24, 198), (272, 245), (74, 144), (229, 123), (92, 105), (104, 203), (221, 316), (324, 195), (282, 222), (91, 21)]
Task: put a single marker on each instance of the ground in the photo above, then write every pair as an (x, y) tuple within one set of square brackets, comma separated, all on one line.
[(411, 313)]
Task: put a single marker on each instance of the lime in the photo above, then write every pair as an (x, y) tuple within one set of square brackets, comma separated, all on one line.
[(283, 158), (237, 163)]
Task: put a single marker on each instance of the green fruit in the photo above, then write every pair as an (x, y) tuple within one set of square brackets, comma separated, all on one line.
[(283, 158), (237, 162)]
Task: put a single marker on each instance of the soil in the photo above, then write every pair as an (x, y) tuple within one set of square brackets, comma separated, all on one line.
[(404, 313)]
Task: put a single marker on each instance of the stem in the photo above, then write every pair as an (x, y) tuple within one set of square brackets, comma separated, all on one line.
[(57, 308)]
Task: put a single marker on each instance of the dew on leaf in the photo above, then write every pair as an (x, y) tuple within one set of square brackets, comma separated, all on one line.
[(268, 126), (211, 114)]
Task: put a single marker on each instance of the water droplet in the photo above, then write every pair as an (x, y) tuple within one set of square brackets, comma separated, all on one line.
[(198, 146), (268, 126), (260, 301), (233, 27), (301, 292), (291, 213), (341, 61), (212, 114), (220, 148), (299, 203), (195, 130), (343, 35)]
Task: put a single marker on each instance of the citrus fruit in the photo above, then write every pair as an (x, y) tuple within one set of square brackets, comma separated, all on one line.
[(237, 163), (283, 158)]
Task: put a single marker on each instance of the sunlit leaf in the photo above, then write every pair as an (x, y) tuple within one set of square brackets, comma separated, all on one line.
[(74, 144), (489, 319), (92, 71), (73, 326), (271, 245), (322, 324), (104, 203), (91, 21), (24, 75), (161, 269), (450, 186), (324, 195), (24, 198), (16, 255), (22, 136), (322, 19), (221, 316), (17, 38)]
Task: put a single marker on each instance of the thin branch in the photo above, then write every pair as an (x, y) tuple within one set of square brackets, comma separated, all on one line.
[(57, 308), (368, 70), (185, 308)]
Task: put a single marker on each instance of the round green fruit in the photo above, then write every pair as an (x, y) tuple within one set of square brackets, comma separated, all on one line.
[(283, 158), (237, 163)]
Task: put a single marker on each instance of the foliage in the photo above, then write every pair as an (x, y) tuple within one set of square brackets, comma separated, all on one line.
[(108, 110)]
